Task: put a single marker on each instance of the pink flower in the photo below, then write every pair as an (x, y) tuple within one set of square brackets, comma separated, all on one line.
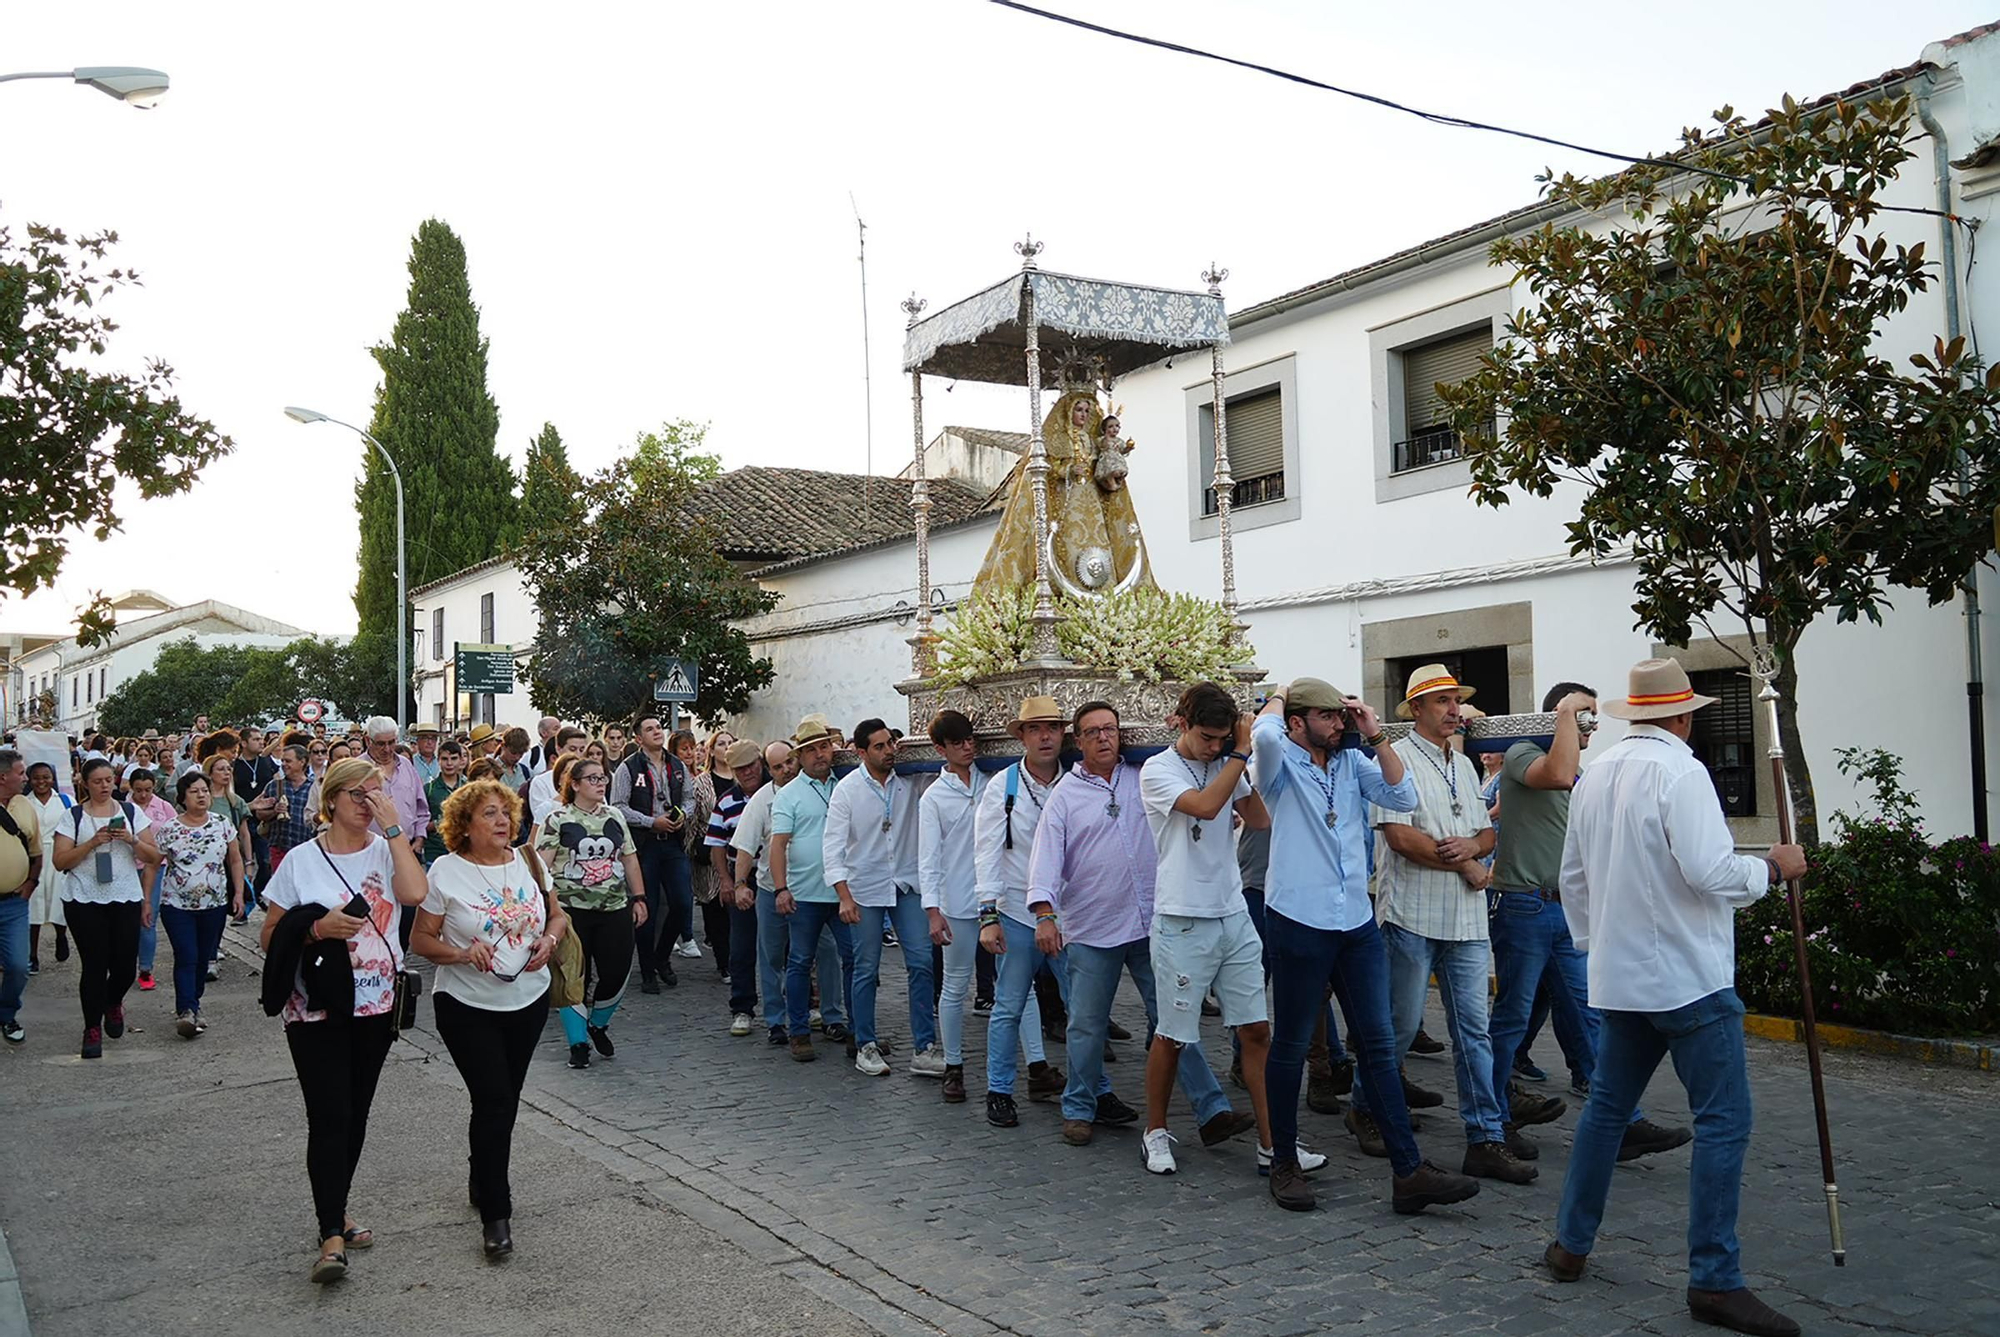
[(1767, 940), (1950, 952)]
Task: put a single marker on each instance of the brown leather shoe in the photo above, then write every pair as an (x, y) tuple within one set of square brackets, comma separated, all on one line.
[(802, 1048), (954, 1084), (1321, 1095), (1366, 1133), (1563, 1265), (1428, 1186), (1739, 1311), (1420, 1098), (1077, 1132), (1492, 1160), (1645, 1137), (1225, 1126), (1289, 1188), (1045, 1082), (1523, 1147), (1527, 1108)]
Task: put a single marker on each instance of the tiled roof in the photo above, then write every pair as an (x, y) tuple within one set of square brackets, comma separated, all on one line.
[(1014, 443), (773, 515)]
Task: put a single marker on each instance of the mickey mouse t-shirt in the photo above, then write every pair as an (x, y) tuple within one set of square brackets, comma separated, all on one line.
[(585, 853), (307, 878)]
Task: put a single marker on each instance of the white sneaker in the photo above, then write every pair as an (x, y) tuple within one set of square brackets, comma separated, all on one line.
[(1308, 1160), (184, 1026), (816, 1021), (1157, 1149), (740, 1024), (869, 1060), (687, 948), (200, 1024), (929, 1063)]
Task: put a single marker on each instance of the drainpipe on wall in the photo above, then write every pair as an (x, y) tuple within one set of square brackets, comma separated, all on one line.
[(1975, 683)]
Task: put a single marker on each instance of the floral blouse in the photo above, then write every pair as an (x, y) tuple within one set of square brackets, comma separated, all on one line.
[(195, 874)]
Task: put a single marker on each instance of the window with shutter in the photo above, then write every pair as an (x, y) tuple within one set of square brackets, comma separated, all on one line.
[(1429, 437), (437, 633), (1256, 427), (1724, 738)]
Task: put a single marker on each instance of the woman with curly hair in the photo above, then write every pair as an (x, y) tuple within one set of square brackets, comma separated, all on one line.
[(489, 927)]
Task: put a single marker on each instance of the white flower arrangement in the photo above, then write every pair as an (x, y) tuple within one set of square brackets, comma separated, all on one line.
[(1143, 633)]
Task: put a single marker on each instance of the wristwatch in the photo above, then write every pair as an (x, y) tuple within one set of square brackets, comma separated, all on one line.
[(391, 832)]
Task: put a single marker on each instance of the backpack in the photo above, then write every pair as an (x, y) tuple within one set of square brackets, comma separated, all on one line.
[(76, 818)]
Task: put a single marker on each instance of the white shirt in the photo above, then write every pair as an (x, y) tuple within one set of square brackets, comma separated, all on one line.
[(1651, 881), (1197, 878), (1000, 873), (945, 873), (753, 834), (307, 878), (501, 907), (542, 796), (872, 861), (1432, 903), (80, 883)]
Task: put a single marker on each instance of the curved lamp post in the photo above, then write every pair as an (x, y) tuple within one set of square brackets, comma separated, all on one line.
[(402, 594), (131, 84)]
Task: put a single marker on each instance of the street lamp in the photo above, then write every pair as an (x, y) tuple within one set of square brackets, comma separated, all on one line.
[(402, 593), (132, 84)]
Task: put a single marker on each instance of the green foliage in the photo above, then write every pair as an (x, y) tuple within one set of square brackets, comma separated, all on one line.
[(1143, 633), (435, 418), (1903, 935), (241, 683), (70, 428), (629, 577), (1707, 373), (548, 484)]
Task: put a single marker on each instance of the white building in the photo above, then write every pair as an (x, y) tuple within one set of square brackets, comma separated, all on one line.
[(75, 680), (482, 605), (1359, 555)]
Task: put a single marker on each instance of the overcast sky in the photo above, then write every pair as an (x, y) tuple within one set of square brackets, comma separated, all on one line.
[(655, 200)]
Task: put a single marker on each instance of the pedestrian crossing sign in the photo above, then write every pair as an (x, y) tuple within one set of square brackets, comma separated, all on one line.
[(680, 680)]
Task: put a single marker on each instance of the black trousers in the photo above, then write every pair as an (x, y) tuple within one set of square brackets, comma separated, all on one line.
[(492, 1051), (107, 948), (715, 927), (605, 938), (338, 1063)]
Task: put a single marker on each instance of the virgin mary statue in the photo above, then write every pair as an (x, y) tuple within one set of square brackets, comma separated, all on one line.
[(1094, 544)]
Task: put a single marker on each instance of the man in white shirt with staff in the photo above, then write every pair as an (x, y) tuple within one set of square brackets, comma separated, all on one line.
[(1651, 883)]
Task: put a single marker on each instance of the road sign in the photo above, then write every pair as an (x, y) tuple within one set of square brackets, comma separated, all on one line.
[(680, 680), (485, 668), (311, 712)]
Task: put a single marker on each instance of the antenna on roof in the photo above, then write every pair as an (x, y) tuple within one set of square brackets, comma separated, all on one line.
[(867, 370)]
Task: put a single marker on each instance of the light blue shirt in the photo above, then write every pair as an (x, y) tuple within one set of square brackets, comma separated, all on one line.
[(799, 812), (1318, 874)]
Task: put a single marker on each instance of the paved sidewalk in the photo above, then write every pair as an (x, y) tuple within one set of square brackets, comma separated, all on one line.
[(162, 1190)]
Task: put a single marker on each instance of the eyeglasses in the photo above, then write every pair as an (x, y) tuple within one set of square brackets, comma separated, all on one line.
[(1099, 732), (594, 778), (315, 752)]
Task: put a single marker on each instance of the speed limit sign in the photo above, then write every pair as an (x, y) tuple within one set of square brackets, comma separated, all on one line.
[(311, 712)]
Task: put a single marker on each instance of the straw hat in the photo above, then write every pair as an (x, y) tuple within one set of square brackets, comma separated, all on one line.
[(812, 729), (1037, 710), (1428, 678), (1657, 689), (480, 733)]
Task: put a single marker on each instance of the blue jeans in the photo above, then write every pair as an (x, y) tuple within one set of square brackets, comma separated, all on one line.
[(804, 927), (1303, 960), (959, 962), (1016, 1019), (13, 954), (774, 950), (1530, 938), (1093, 980), (1253, 898), (149, 934), (743, 972), (195, 935), (913, 932), (1706, 1040), (1461, 969)]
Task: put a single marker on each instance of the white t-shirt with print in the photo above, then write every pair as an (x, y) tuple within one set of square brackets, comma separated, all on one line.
[(1198, 878), (80, 883), (501, 907), (305, 878)]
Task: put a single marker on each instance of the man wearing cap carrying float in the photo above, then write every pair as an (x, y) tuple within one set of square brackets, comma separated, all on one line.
[(1319, 923), (1651, 883), (802, 893), (1003, 837), (1430, 892)]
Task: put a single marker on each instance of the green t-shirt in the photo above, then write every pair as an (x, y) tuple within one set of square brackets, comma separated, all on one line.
[(1533, 823), (435, 793), (585, 853)]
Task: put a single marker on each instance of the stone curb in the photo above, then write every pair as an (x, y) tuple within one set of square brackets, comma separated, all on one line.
[(1973, 1054), (13, 1308)]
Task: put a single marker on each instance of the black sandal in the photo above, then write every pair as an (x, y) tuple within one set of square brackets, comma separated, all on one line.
[(358, 1237), (329, 1267)]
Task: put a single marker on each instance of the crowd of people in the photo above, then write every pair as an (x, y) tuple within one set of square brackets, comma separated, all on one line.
[(1258, 870)]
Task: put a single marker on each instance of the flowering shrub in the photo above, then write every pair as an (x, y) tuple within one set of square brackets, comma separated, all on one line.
[(1901, 934), (1143, 633)]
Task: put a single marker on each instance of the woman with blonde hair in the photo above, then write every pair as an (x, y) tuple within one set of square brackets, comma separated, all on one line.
[(350, 884), (594, 872), (490, 928)]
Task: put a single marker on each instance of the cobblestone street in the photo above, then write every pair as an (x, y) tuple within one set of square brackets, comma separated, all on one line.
[(705, 1181)]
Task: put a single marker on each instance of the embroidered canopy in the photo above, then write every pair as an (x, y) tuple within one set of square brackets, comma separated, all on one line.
[(983, 338)]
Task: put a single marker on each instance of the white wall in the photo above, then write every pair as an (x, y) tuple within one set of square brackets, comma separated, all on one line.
[(514, 623), (67, 661)]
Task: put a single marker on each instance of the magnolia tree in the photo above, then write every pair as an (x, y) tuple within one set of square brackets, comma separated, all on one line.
[(1706, 369)]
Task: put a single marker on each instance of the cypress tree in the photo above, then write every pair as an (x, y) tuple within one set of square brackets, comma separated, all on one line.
[(434, 416), (549, 485)]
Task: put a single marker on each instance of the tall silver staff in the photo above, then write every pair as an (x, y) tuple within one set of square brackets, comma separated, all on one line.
[(1765, 668)]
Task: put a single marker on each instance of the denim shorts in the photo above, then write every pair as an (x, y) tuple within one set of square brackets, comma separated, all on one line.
[(1191, 955)]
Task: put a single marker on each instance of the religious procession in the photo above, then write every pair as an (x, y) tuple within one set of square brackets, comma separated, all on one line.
[(1439, 714)]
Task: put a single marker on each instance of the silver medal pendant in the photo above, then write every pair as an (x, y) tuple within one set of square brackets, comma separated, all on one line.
[(885, 826), (1457, 808), (1111, 808), (1194, 829), (1330, 819)]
